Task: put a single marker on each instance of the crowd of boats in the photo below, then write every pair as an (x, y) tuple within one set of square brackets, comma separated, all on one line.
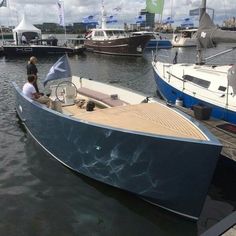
[(28, 40), (125, 139)]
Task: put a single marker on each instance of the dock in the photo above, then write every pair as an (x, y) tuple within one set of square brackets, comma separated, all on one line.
[(228, 139), (225, 227)]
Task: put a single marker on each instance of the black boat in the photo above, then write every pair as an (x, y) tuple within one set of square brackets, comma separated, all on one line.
[(27, 40)]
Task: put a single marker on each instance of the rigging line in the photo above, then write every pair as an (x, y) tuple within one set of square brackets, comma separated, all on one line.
[(219, 54)]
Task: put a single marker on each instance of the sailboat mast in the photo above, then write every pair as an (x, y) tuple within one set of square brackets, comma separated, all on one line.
[(202, 9), (199, 50)]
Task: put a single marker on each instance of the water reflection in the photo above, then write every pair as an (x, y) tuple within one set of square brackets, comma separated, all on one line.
[(91, 206)]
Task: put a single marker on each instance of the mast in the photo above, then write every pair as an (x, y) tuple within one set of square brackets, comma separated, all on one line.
[(103, 16), (202, 9), (199, 50)]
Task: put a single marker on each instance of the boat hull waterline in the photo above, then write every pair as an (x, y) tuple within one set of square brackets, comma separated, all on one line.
[(162, 170), (36, 50)]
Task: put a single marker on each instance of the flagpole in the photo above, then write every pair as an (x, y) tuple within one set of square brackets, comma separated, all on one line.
[(60, 5), (171, 9), (64, 22), (171, 15), (3, 4)]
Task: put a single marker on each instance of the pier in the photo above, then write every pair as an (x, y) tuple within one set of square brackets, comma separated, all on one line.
[(228, 139)]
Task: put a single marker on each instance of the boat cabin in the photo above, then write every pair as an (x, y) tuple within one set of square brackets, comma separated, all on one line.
[(188, 33), (106, 34)]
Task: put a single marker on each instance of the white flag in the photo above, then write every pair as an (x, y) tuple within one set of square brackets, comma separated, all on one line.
[(3, 3), (60, 7), (61, 69)]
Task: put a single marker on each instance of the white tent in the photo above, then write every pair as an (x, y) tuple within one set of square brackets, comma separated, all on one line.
[(26, 28)]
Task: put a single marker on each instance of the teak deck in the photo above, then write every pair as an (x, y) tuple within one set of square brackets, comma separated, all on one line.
[(153, 118)]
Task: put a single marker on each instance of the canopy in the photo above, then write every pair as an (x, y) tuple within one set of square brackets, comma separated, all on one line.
[(27, 29)]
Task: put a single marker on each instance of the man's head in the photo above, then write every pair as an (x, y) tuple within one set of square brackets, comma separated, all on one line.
[(31, 78), (33, 60)]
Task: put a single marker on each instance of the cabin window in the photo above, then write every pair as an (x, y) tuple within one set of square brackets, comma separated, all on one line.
[(122, 33), (109, 33), (222, 88), (99, 34), (195, 80)]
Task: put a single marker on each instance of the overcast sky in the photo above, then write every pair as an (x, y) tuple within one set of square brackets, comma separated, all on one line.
[(39, 11)]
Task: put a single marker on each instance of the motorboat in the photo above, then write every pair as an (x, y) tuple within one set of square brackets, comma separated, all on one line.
[(77, 44), (114, 41), (124, 139), (185, 38), (33, 44), (157, 40)]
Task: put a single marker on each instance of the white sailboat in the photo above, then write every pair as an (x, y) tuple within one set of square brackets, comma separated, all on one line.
[(213, 86)]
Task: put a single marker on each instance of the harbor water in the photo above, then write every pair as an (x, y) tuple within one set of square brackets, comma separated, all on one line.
[(39, 196)]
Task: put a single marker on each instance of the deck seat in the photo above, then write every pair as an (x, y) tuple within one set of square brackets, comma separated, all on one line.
[(105, 98)]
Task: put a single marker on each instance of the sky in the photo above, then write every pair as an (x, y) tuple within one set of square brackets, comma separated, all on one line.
[(39, 11)]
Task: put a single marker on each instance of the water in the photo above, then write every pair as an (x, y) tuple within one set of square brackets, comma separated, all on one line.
[(39, 196)]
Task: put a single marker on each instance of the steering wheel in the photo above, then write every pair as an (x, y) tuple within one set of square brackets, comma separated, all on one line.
[(61, 91)]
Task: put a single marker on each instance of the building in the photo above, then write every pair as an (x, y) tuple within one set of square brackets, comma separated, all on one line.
[(79, 27), (230, 23), (150, 20)]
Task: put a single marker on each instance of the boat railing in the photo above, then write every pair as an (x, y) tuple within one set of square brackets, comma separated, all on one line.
[(9, 42)]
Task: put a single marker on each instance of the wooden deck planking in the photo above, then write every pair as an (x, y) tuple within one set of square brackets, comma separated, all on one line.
[(152, 118), (230, 232)]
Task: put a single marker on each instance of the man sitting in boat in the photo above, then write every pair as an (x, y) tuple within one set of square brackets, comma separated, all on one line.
[(30, 91)]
